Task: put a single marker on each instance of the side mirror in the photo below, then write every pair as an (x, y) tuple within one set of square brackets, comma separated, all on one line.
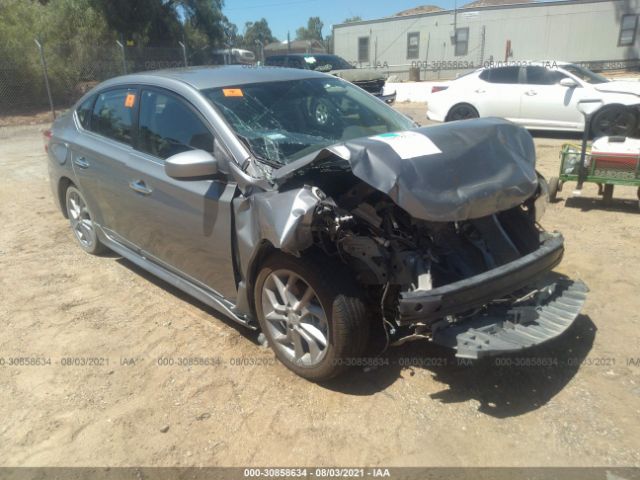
[(189, 164), (568, 82)]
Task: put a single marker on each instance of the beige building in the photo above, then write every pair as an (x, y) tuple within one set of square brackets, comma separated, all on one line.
[(602, 34)]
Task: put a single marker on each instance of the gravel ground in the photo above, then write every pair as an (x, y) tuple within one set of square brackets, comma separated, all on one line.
[(126, 409)]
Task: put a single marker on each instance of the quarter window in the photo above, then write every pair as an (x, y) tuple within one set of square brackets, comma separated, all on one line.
[(363, 49), (462, 41), (169, 126), (628, 28), (413, 45), (113, 114)]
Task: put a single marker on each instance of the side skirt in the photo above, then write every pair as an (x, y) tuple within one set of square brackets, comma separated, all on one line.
[(206, 296)]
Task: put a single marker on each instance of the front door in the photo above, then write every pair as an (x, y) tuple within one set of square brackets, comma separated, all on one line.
[(547, 104), (185, 225)]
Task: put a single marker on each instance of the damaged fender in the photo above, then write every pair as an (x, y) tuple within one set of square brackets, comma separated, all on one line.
[(281, 218)]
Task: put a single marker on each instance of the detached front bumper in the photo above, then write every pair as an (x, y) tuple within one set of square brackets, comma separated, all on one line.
[(512, 328), (505, 326)]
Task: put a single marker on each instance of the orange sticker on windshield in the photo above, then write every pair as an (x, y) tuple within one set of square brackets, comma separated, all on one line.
[(232, 92), (130, 100)]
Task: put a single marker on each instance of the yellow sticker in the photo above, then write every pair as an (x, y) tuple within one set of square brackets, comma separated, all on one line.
[(130, 100), (232, 92)]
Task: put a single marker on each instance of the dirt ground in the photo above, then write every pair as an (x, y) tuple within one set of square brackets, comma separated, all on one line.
[(60, 308)]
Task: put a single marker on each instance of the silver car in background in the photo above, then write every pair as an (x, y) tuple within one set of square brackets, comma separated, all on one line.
[(297, 204)]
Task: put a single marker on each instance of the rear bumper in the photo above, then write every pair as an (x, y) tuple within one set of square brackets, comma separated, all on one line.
[(476, 291)]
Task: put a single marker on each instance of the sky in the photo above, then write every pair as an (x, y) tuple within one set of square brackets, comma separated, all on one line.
[(288, 15)]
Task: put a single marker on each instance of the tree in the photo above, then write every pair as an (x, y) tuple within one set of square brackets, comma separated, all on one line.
[(313, 31), (205, 16), (257, 31), (355, 18), (145, 21)]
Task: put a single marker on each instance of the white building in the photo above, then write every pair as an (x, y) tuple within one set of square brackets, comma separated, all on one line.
[(602, 34)]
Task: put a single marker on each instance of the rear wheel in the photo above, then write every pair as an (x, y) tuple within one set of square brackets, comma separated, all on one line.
[(81, 222), (613, 120), (313, 317), (463, 111)]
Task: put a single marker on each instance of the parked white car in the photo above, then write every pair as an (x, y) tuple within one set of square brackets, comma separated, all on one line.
[(539, 96)]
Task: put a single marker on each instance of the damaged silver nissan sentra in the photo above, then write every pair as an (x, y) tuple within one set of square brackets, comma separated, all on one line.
[(298, 204)]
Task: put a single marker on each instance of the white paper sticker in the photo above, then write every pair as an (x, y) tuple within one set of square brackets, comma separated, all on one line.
[(408, 144)]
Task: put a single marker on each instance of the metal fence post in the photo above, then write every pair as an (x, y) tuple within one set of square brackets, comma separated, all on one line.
[(124, 56), (184, 53), (46, 77)]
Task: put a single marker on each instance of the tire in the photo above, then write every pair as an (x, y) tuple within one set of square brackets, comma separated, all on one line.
[(462, 111), (553, 185), (324, 346), (607, 194), (81, 221), (613, 120)]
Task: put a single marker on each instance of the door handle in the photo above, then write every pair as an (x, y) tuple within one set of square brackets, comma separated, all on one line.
[(531, 93), (140, 187), (479, 90), (81, 162)]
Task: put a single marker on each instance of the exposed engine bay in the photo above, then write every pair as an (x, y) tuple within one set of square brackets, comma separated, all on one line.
[(447, 245)]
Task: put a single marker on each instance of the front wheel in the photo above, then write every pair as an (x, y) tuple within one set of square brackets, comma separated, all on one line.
[(313, 317), (613, 120)]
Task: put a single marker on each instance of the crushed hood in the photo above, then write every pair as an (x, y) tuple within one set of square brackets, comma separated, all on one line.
[(449, 172)]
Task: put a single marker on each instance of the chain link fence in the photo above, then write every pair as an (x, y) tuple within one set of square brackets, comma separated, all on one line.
[(70, 71)]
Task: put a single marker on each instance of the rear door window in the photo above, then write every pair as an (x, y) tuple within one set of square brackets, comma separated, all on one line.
[(168, 125), (501, 75), (113, 114), (277, 61), (296, 62)]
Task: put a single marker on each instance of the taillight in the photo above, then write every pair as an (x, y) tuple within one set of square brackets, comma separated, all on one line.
[(46, 136), (438, 88)]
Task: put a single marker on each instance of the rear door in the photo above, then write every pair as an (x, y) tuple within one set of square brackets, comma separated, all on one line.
[(101, 151), (498, 91), (547, 104), (184, 225)]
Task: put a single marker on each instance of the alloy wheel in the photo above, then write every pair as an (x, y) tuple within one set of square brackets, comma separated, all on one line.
[(80, 219), (295, 318)]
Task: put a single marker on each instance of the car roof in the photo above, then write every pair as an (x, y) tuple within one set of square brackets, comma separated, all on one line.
[(202, 78)]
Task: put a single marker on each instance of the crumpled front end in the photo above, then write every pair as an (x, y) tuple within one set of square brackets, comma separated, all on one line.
[(439, 226)]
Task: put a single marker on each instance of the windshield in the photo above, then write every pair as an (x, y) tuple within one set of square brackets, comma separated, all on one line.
[(326, 63), (283, 121), (584, 74)]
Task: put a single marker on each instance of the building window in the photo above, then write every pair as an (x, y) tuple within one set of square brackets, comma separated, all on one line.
[(462, 41), (628, 27), (363, 49), (413, 45)]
